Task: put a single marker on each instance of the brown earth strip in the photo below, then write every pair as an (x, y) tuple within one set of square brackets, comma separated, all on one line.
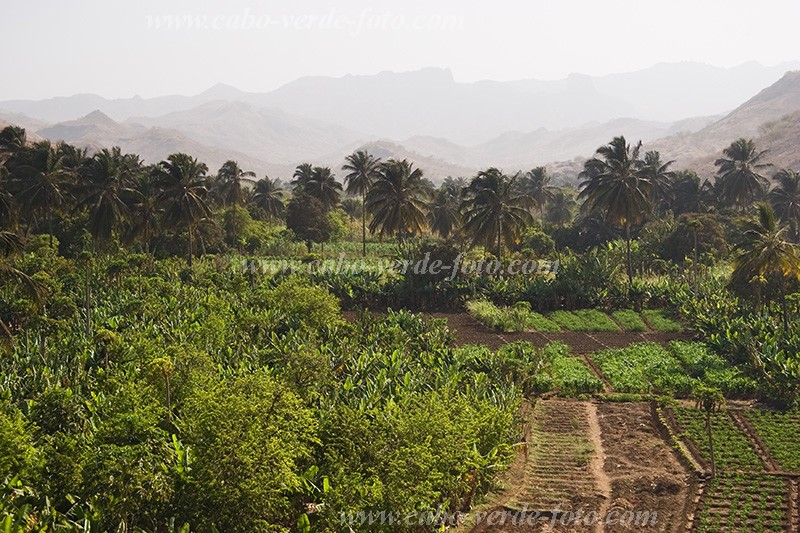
[(747, 429)]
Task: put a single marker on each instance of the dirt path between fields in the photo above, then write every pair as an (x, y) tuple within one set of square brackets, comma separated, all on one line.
[(632, 479)]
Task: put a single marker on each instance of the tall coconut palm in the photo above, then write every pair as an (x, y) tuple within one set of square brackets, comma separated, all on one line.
[(318, 182), (764, 252), (182, 180), (444, 215), (232, 180), (536, 185), (268, 195), (42, 179), (397, 200), (660, 177), (785, 199), (12, 140), (738, 173), (8, 211), (362, 171), (690, 194), (615, 190), (104, 189), (145, 210), (494, 209), (562, 207)]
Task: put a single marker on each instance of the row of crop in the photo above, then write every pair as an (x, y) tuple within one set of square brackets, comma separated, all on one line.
[(732, 449), (649, 368), (744, 503), (780, 433), (520, 317)]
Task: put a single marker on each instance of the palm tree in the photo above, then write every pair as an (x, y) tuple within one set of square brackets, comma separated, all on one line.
[(42, 180), (785, 199), (268, 195), (536, 185), (362, 171), (12, 140), (690, 194), (182, 180), (739, 180), (145, 210), (353, 207), (8, 209), (397, 199), (494, 209), (562, 207), (661, 178), (445, 213), (318, 182), (765, 253), (231, 179), (615, 190), (105, 189)]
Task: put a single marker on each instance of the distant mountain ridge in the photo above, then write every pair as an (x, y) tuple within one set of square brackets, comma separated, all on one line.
[(321, 120)]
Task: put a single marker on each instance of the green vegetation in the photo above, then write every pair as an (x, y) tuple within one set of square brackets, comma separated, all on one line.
[(659, 322), (779, 432), (732, 449), (644, 368), (583, 320), (510, 319), (629, 320), (735, 502), (158, 374)]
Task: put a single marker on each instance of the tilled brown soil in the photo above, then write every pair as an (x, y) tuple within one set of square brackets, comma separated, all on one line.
[(649, 488)]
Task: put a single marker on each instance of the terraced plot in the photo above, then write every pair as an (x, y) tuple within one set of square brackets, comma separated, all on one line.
[(780, 433), (559, 466), (733, 451), (745, 503)]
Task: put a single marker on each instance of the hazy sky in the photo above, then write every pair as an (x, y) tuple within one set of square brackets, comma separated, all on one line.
[(151, 48)]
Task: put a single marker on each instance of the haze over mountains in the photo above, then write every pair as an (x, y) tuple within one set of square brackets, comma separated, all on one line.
[(446, 127)]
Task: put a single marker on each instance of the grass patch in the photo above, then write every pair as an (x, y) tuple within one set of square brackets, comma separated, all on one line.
[(660, 322), (629, 320)]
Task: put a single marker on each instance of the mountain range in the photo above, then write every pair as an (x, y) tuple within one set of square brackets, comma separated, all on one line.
[(688, 111)]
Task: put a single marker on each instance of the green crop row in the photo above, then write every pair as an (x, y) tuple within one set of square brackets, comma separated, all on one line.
[(780, 432), (732, 450), (629, 320), (744, 503), (583, 320), (510, 319), (646, 368), (660, 322), (519, 317)]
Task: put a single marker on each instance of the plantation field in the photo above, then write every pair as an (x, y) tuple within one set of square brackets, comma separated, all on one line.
[(520, 318)]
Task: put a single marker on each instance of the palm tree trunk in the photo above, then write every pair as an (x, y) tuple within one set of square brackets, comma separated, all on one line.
[(695, 265), (364, 224), (189, 253), (628, 249), (499, 237), (711, 446)]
